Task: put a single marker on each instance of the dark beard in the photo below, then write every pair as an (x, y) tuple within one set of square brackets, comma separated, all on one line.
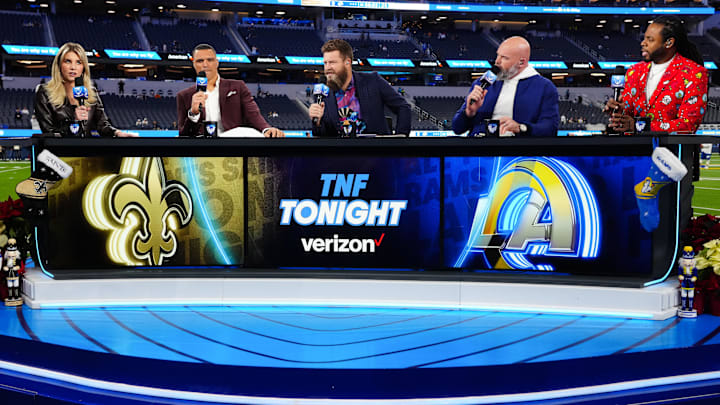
[(337, 83)]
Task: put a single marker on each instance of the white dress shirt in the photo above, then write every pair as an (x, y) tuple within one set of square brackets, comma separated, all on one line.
[(506, 98), (655, 73), (212, 110)]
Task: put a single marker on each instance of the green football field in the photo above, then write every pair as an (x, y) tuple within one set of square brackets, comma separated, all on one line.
[(707, 191), (12, 172)]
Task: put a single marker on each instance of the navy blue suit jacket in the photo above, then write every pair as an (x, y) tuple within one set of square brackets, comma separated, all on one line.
[(536, 105), (373, 94)]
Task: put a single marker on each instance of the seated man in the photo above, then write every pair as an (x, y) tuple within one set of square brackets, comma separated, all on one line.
[(366, 94), (522, 100), (226, 101)]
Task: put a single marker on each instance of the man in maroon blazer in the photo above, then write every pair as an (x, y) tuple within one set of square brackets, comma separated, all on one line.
[(227, 102)]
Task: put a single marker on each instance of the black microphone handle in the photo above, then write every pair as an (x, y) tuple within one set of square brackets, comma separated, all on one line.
[(318, 100), (617, 93)]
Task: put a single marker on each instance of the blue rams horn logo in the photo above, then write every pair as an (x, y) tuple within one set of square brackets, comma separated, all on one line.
[(141, 209), (536, 207), (640, 125), (492, 128)]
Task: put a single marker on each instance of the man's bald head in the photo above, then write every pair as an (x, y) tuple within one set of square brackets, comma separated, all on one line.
[(513, 57)]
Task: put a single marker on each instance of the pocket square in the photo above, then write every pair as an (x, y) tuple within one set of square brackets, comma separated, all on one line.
[(230, 93)]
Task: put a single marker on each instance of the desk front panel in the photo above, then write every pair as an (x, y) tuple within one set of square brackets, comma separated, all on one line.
[(448, 215)]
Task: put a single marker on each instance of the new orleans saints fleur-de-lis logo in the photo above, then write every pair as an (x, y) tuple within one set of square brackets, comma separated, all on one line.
[(142, 210)]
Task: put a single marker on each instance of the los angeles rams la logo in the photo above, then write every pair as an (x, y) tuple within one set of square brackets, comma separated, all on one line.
[(536, 207)]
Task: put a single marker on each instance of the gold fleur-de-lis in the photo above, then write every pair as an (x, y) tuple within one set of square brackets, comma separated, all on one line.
[(142, 210)]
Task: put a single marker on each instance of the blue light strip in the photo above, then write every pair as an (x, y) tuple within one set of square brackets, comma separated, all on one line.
[(39, 259), (30, 50), (327, 303), (390, 62), (547, 64), (468, 64), (611, 65), (35, 230), (710, 65), (304, 60), (232, 58), (194, 396), (671, 268), (189, 168), (132, 54)]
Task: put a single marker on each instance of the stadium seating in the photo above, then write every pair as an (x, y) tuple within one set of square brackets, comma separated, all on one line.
[(124, 111), (277, 41), (712, 116), (611, 45), (459, 44), (183, 35), (92, 31), (577, 116), (384, 49), (22, 29), (12, 99), (554, 48), (442, 108), (289, 114)]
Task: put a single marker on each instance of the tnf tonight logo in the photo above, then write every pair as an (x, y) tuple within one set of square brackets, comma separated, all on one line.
[(141, 209), (536, 207), (340, 212)]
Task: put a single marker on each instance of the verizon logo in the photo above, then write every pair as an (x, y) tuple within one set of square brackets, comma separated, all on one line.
[(341, 245)]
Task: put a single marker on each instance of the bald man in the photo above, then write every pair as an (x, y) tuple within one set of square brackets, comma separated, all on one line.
[(524, 102)]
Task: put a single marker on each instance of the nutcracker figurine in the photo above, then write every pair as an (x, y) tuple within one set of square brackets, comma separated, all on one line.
[(13, 267), (687, 277)]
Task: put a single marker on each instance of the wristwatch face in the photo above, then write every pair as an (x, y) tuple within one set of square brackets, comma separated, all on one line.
[(523, 128)]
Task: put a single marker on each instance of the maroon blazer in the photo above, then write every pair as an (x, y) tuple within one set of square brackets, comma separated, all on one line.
[(237, 109)]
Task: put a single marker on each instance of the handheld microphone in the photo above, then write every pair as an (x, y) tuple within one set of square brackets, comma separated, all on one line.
[(617, 82), (80, 92), (201, 83), (320, 91), (487, 79)]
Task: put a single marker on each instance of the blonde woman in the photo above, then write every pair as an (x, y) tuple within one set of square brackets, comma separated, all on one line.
[(57, 110)]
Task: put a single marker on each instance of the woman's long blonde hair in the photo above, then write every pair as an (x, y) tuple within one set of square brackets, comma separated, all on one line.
[(55, 87)]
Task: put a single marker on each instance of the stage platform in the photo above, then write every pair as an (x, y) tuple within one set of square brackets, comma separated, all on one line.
[(290, 354), (655, 302)]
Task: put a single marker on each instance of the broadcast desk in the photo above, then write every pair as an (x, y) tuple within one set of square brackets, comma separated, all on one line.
[(558, 211)]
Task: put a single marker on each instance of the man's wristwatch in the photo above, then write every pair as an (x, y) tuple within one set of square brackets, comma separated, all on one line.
[(523, 128)]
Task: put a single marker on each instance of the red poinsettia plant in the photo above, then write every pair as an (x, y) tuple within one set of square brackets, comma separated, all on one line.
[(12, 224), (703, 234)]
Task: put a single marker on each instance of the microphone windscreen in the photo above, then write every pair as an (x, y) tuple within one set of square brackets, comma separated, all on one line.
[(617, 80), (201, 81), (79, 90)]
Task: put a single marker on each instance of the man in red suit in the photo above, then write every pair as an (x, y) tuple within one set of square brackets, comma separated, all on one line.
[(670, 86), (227, 102)]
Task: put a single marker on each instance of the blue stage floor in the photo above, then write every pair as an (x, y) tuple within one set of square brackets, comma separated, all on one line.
[(331, 355)]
